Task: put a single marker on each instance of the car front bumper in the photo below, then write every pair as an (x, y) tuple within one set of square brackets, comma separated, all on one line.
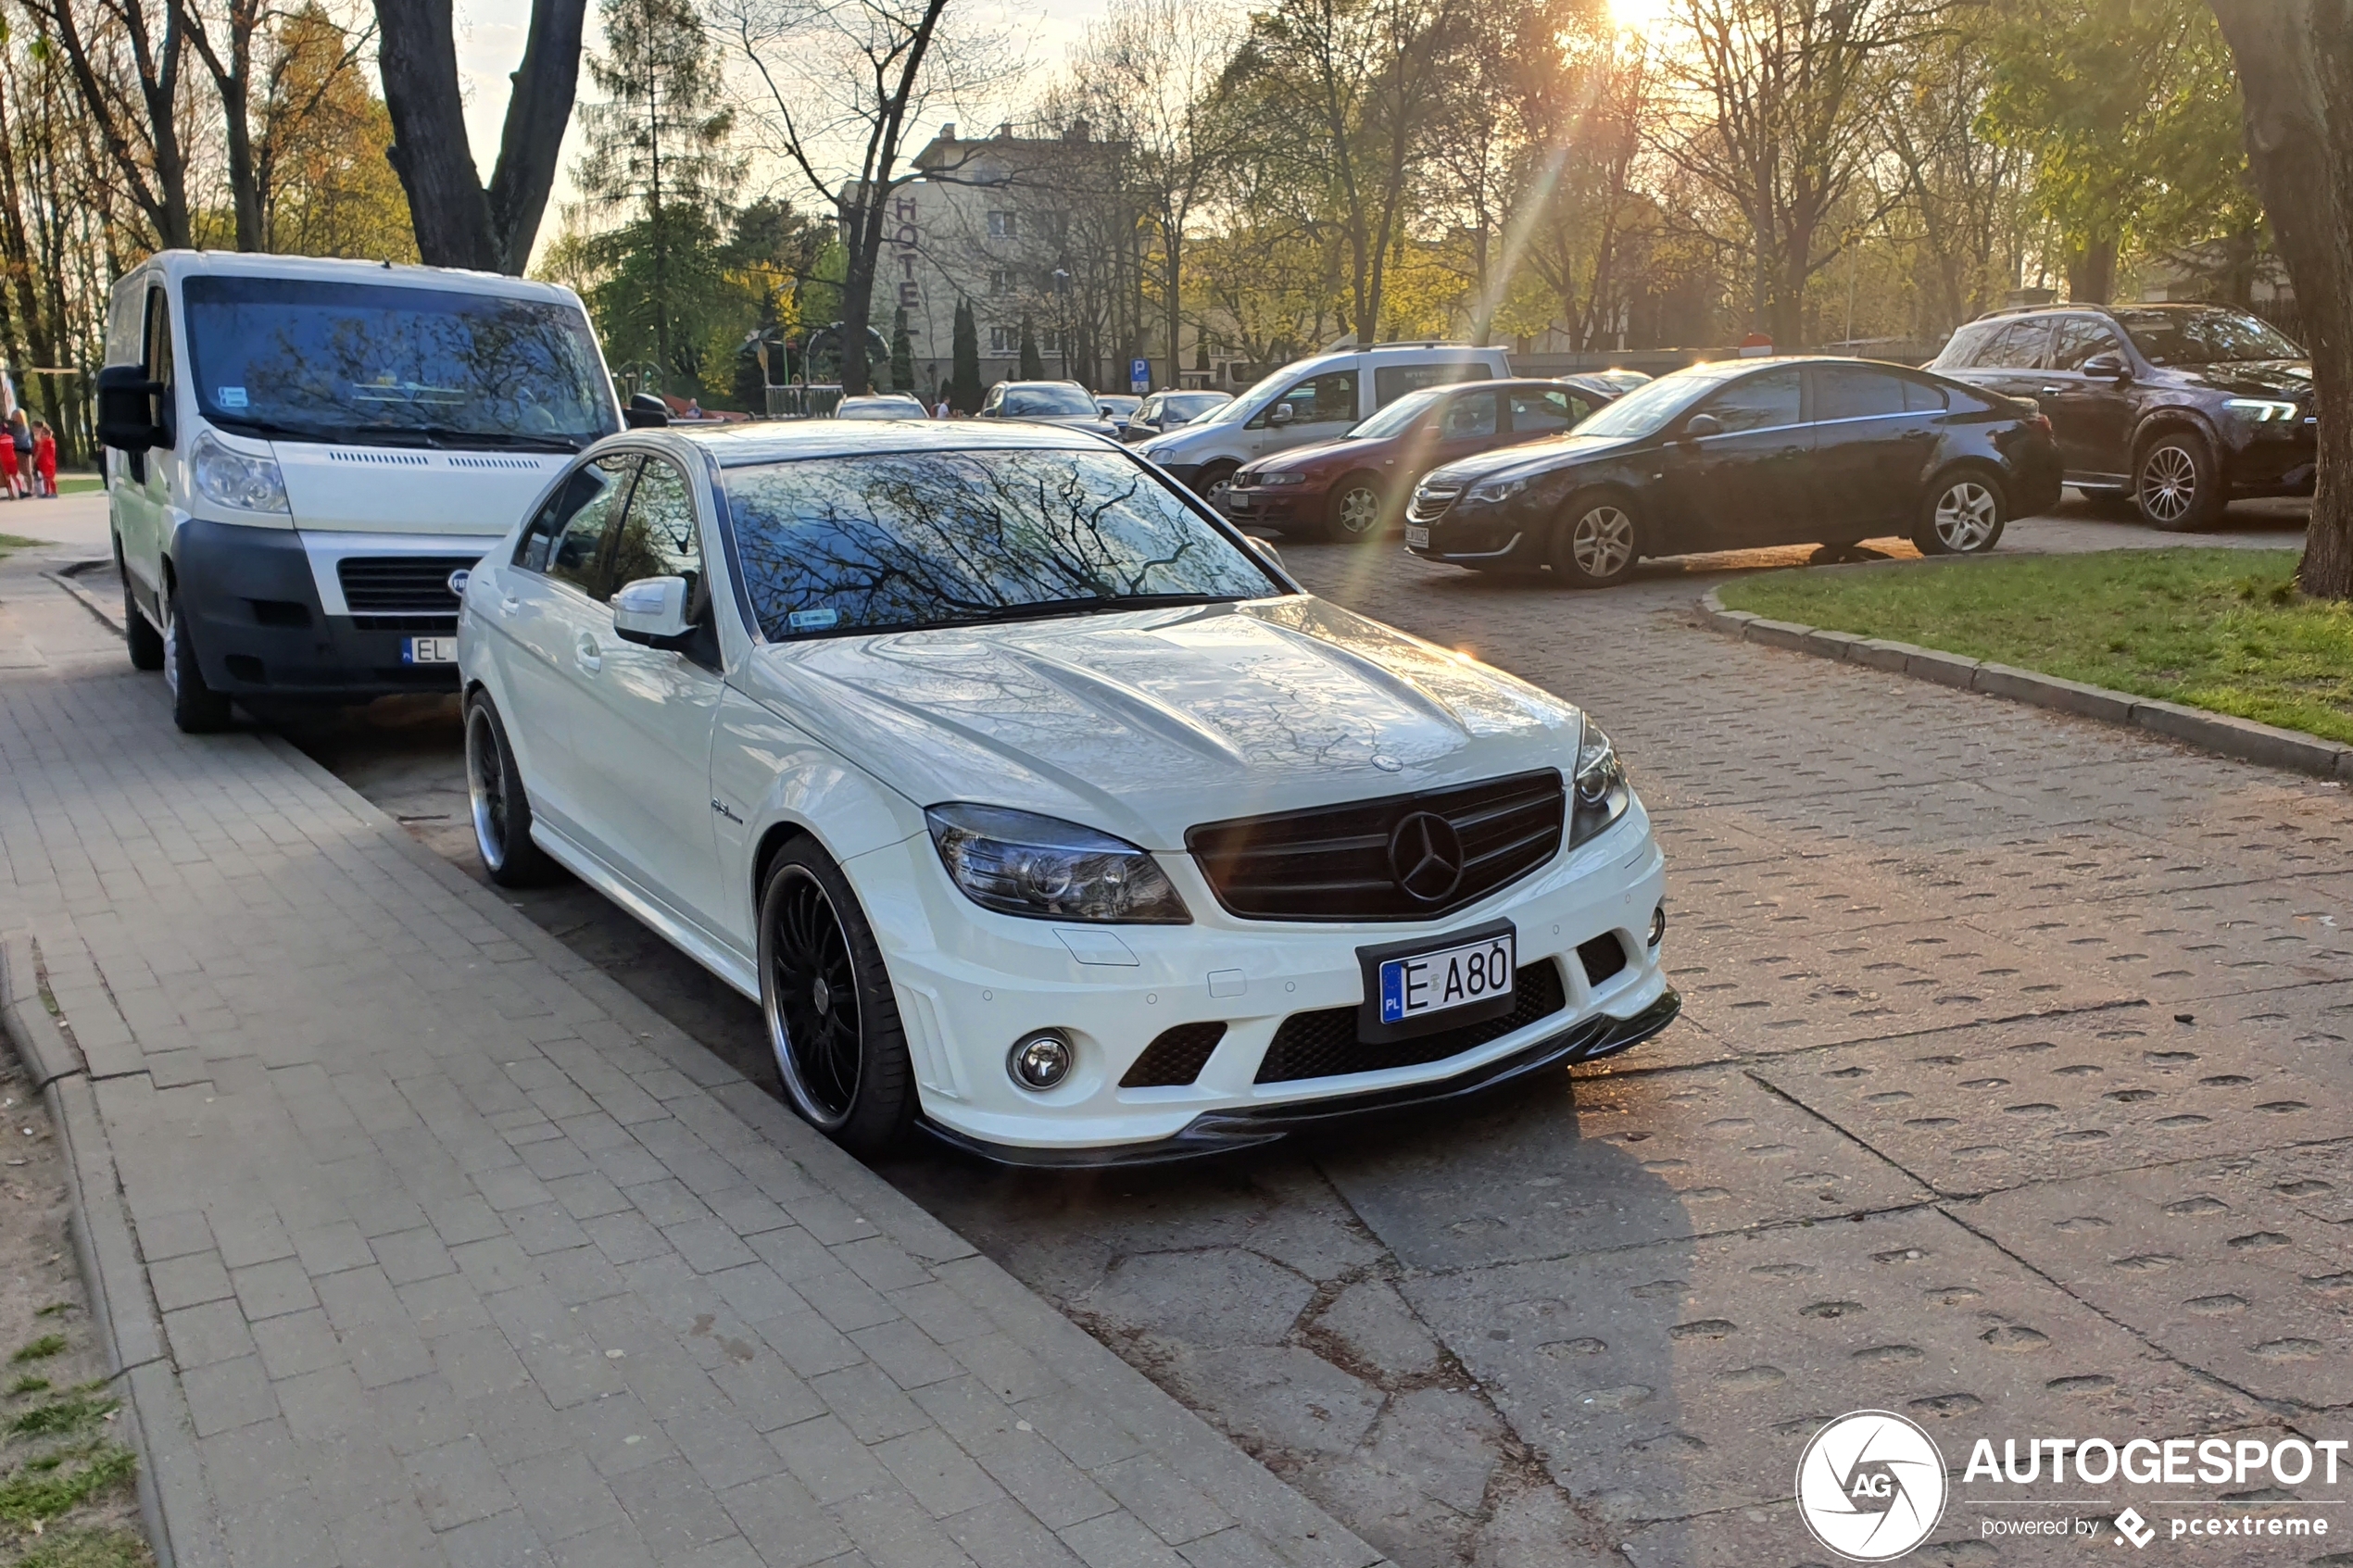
[(969, 984), (1275, 507)]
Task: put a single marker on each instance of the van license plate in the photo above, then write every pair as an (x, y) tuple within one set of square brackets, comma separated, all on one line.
[(429, 651), (1416, 538), (1418, 984)]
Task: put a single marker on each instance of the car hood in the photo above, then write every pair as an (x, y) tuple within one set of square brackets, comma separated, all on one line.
[(1532, 457), (1345, 449), (1145, 722), (2259, 378)]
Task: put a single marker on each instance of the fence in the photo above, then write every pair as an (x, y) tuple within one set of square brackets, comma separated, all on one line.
[(803, 401)]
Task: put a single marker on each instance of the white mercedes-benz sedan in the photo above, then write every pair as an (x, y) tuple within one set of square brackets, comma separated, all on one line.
[(1036, 807)]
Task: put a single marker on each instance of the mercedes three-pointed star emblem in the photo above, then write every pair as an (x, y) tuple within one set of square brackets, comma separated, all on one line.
[(1425, 856)]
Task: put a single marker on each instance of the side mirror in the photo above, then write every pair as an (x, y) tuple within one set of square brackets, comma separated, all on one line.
[(2110, 366), (646, 411), (1700, 425), (1266, 548), (1279, 414), (652, 612), (127, 410)]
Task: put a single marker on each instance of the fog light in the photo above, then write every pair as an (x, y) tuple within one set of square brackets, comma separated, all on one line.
[(1039, 1060), (1658, 924)]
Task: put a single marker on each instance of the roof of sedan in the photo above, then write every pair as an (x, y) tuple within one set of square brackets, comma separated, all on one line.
[(777, 441)]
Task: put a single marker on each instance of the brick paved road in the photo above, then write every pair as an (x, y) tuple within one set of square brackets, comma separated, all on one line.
[(2014, 1050)]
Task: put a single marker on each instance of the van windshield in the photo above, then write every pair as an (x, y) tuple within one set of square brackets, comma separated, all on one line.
[(300, 361)]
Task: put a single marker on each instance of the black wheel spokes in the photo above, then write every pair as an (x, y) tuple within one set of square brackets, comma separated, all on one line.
[(808, 949)]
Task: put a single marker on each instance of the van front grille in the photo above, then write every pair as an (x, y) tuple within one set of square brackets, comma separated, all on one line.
[(400, 585)]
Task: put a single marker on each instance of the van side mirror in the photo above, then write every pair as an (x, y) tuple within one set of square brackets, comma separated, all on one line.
[(646, 411), (1700, 425), (2109, 366), (652, 612), (127, 409)]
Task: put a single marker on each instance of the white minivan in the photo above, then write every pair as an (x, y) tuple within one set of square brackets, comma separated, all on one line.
[(305, 457), (1315, 399)]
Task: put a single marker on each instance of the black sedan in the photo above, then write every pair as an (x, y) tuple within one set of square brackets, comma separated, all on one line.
[(1738, 454)]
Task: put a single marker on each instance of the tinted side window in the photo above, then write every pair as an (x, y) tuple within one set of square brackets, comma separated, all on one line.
[(2080, 337), (1323, 399), (658, 536), (1844, 393), (1762, 402), (566, 540), (1967, 343), (1547, 410), (2020, 347), (1922, 397), (1393, 381), (1470, 414)]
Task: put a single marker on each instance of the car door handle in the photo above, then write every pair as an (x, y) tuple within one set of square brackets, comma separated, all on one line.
[(585, 654), (2050, 392), (510, 605)]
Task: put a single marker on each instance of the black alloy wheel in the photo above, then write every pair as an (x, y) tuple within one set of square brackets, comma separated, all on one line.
[(497, 804), (833, 1023)]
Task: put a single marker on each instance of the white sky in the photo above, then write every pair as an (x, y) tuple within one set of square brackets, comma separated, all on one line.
[(490, 39)]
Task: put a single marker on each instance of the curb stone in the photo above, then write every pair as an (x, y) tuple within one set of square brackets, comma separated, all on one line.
[(2242, 739), (66, 577), (122, 1313)]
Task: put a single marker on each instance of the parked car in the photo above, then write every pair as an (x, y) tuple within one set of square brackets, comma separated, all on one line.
[(1118, 408), (1072, 845), (881, 406), (1353, 488), (1063, 403), (1167, 410), (1618, 380), (1743, 453), (2176, 407), (1316, 399), (305, 457)]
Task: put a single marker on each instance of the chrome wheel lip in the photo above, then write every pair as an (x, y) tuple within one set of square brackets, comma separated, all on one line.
[(1358, 509), (171, 646), (2168, 483), (1965, 517), (772, 997), (485, 806), (1602, 541)]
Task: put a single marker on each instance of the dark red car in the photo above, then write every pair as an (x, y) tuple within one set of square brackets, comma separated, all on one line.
[(1353, 488)]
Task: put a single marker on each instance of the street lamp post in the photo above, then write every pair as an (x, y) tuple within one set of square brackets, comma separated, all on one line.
[(1061, 312)]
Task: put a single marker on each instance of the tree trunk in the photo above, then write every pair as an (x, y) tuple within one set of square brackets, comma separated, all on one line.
[(544, 86), (2091, 271), (2296, 78)]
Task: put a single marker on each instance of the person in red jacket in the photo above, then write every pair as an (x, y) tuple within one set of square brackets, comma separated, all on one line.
[(44, 458)]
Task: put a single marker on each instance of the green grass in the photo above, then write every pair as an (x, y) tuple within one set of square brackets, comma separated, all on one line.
[(41, 1349), (2218, 629), (61, 1415), (14, 542), (78, 483), (29, 1383), (87, 1548), (47, 1487)]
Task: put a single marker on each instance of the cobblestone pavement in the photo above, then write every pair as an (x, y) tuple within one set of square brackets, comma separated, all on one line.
[(448, 1251), (2007, 1096)]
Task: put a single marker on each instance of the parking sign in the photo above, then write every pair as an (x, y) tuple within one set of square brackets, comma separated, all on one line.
[(1139, 375)]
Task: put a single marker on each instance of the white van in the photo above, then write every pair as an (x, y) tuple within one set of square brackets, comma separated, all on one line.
[(1316, 399), (306, 455)]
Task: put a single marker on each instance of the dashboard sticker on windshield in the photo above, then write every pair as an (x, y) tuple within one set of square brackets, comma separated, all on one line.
[(232, 397), (812, 620)]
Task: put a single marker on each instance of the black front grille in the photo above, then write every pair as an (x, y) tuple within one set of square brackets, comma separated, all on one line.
[(1430, 502), (428, 625), (400, 585), (1176, 1056), (1323, 1044), (1333, 862)]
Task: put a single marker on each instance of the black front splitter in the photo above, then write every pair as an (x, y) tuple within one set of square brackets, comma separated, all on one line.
[(1225, 1132)]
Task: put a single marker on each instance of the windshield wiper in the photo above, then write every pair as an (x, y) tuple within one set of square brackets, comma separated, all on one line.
[(275, 430), (449, 436)]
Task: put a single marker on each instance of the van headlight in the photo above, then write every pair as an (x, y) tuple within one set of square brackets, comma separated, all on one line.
[(232, 479), (1020, 863), (1599, 793)]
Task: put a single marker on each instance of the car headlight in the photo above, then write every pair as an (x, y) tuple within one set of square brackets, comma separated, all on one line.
[(1599, 793), (1020, 863), (1486, 492), (1278, 479), (2260, 410), (232, 479)]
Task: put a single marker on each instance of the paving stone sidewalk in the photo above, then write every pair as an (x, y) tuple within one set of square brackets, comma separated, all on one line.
[(450, 1251)]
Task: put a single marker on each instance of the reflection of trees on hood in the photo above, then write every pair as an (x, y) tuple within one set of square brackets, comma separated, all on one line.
[(920, 538)]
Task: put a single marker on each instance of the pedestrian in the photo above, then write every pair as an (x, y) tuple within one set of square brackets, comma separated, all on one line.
[(20, 454), (940, 412), (44, 459)]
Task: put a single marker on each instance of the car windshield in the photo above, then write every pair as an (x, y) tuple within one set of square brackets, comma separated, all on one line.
[(1032, 402), (1400, 414), (2204, 337), (300, 361), (1648, 407), (1119, 405), (1194, 405), (898, 541)]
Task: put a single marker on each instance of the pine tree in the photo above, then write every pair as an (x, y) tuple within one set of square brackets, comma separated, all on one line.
[(1032, 366), (902, 354), (964, 380)]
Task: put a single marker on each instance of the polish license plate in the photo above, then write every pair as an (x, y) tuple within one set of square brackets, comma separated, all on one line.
[(1418, 986), (429, 651), (1416, 537)]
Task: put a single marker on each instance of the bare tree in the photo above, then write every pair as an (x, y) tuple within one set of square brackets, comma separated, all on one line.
[(460, 222), (1960, 190), (126, 57), (2295, 76)]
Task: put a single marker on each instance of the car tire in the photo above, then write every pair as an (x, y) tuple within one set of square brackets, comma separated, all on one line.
[(845, 1067), (2176, 484), (196, 709), (140, 638), (1596, 542), (1356, 511), (1962, 513), (497, 804), (1210, 484)]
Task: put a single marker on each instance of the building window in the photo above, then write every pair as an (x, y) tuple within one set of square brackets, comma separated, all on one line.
[(1004, 226), (1000, 282), (1004, 339)]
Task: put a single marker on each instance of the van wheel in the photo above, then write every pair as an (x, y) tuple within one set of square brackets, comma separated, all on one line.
[(196, 706), (2175, 483), (1596, 543), (139, 634), (1211, 483), (1962, 514), (495, 802), (833, 1019), (1355, 512)]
